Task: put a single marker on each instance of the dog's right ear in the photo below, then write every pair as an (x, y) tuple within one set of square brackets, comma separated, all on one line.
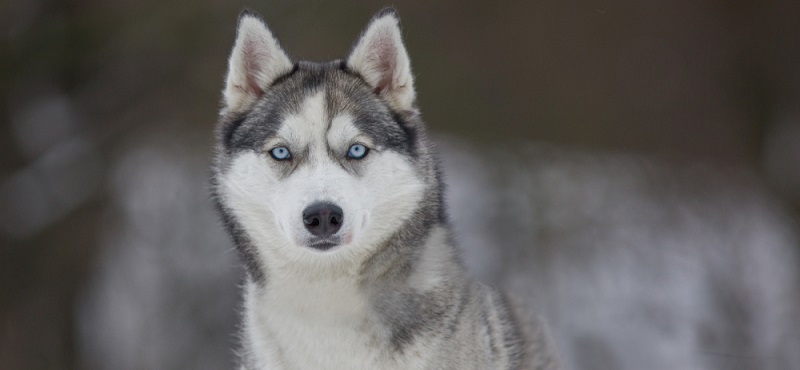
[(255, 62), (381, 59)]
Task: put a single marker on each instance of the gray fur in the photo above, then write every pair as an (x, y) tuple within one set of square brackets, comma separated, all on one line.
[(462, 324)]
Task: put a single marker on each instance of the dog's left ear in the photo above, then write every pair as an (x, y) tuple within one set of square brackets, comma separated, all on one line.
[(381, 59), (255, 62)]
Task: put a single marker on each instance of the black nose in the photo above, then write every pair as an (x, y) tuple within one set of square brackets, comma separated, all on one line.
[(323, 219)]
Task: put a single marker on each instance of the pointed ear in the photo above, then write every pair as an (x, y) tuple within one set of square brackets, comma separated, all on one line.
[(381, 59), (255, 62)]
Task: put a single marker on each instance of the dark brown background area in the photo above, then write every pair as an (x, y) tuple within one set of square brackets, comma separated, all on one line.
[(687, 81)]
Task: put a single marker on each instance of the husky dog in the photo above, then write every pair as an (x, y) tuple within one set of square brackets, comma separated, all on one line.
[(330, 187)]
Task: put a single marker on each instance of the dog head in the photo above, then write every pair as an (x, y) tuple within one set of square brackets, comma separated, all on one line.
[(320, 162)]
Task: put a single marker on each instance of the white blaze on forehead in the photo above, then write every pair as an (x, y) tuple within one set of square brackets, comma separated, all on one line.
[(307, 125)]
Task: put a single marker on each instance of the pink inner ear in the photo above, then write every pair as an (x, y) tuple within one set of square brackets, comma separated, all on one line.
[(386, 62), (252, 66), (254, 89)]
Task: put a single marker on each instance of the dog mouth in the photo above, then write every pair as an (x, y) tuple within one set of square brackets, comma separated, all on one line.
[(324, 244)]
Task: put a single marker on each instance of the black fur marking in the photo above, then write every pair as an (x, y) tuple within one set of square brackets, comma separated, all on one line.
[(409, 314), (313, 80), (387, 11), (252, 133), (384, 130), (229, 129), (410, 142), (284, 76), (244, 248), (405, 320)]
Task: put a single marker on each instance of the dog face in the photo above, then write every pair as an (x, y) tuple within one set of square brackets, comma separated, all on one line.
[(318, 162)]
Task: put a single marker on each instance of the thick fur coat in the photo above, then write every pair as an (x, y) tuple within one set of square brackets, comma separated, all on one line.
[(375, 282)]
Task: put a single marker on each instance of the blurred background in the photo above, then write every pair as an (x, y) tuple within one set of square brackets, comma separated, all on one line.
[(638, 159)]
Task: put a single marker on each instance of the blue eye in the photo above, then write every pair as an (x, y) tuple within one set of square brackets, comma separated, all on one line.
[(280, 153), (357, 151)]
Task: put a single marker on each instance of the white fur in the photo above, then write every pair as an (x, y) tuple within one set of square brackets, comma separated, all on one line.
[(256, 61), (313, 305), (381, 58), (288, 329)]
